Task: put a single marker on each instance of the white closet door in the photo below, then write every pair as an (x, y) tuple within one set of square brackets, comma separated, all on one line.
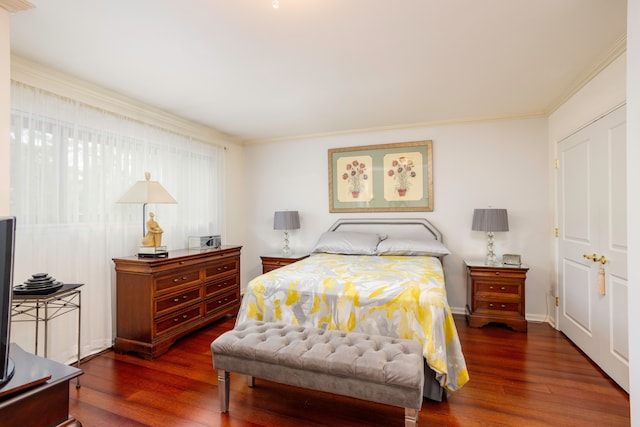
[(592, 221)]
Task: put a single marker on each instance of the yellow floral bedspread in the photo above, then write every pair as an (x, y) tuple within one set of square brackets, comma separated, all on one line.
[(396, 296)]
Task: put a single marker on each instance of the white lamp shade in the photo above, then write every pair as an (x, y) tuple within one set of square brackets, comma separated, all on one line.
[(490, 220), (147, 191), (286, 220)]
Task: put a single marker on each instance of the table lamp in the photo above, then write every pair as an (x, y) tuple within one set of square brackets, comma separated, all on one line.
[(490, 220), (286, 220), (145, 192)]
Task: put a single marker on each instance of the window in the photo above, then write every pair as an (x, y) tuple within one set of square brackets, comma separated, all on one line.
[(70, 163)]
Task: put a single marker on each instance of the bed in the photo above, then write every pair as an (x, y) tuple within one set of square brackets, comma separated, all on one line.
[(377, 276)]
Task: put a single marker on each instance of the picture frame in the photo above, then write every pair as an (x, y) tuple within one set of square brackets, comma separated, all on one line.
[(392, 177)]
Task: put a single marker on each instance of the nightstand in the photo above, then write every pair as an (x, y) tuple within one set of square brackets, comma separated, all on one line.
[(271, 262), (495, 293)]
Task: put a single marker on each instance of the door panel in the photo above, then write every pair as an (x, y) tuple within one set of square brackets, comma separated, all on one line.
[(576, 297), (575, 169), (592, 221), (619, 332)]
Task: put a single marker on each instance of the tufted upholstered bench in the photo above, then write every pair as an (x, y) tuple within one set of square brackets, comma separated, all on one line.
[(380, 369)]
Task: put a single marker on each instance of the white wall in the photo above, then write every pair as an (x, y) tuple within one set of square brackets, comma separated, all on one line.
[(501, 164), (633, 201)]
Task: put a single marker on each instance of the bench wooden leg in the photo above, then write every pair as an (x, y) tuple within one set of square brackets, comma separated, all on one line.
[(223, 390), (251, 381), (410, 417)]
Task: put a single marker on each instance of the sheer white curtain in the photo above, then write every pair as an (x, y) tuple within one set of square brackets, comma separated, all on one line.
[(70, 163)]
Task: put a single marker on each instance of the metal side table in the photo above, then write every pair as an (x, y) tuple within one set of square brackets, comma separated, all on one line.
[(45, 307)]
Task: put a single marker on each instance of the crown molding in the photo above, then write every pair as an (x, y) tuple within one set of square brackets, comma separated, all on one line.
[(406, 126), (38, 75), (14, 6), (618, 49)]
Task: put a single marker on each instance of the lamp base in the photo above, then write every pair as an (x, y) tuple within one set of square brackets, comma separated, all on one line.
[(285, 248), (153, 252), (491, 256)]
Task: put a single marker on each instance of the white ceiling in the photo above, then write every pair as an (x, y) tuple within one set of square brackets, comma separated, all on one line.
[(327, 66)]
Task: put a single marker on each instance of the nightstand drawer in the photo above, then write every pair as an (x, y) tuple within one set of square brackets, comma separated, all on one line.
[(502, 273), (502, 307), (270, 263), (497, 287)]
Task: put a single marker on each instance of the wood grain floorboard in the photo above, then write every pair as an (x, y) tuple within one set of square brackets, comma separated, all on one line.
[(532, 379)]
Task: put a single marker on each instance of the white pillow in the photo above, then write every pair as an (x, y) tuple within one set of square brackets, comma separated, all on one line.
[(408, 247), (347, 243)]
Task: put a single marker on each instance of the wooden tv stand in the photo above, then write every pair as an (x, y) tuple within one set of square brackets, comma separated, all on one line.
[(38, 393)]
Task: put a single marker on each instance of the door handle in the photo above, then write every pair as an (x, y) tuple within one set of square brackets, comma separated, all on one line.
[(595, 258)]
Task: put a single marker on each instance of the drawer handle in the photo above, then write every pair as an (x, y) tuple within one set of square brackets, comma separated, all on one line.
[(225, 300), (181, 262), (277, 262), (502, 305), (177, 279), (223, 268), (502, 288), (497, 273), (491, 305), (491, 287), (178, 299)]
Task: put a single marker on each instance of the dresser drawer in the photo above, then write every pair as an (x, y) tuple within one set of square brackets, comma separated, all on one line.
[(174, 302), (223, 267), (175, 320), (168, 282), (221, 285), (219, 302)]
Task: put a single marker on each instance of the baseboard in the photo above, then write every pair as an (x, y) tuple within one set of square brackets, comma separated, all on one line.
[(540, 318)]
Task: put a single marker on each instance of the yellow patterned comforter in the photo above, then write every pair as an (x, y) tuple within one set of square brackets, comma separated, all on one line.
[(396, 296)]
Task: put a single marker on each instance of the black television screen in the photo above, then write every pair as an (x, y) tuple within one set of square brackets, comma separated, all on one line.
[(7, 238)]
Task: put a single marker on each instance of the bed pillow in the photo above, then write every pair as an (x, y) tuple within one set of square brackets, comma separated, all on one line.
[(408, 247), (347, 243)]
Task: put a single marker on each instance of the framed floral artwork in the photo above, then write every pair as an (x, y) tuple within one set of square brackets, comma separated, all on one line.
[(381, 178)]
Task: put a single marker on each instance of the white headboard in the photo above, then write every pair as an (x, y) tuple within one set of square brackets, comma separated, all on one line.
[(414, 228)]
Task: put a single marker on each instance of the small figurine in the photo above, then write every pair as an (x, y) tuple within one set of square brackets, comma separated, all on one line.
[(154, 233)]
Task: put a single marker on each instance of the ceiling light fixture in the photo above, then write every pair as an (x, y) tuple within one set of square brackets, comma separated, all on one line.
[(275, 4)]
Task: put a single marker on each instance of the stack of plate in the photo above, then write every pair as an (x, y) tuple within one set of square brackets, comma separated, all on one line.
[(39, 283)]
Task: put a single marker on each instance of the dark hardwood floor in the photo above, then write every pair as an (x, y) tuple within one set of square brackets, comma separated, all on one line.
[(517, 379)]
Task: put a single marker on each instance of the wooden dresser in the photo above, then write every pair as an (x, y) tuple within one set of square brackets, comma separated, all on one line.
[(496, 294), (162, 299)]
